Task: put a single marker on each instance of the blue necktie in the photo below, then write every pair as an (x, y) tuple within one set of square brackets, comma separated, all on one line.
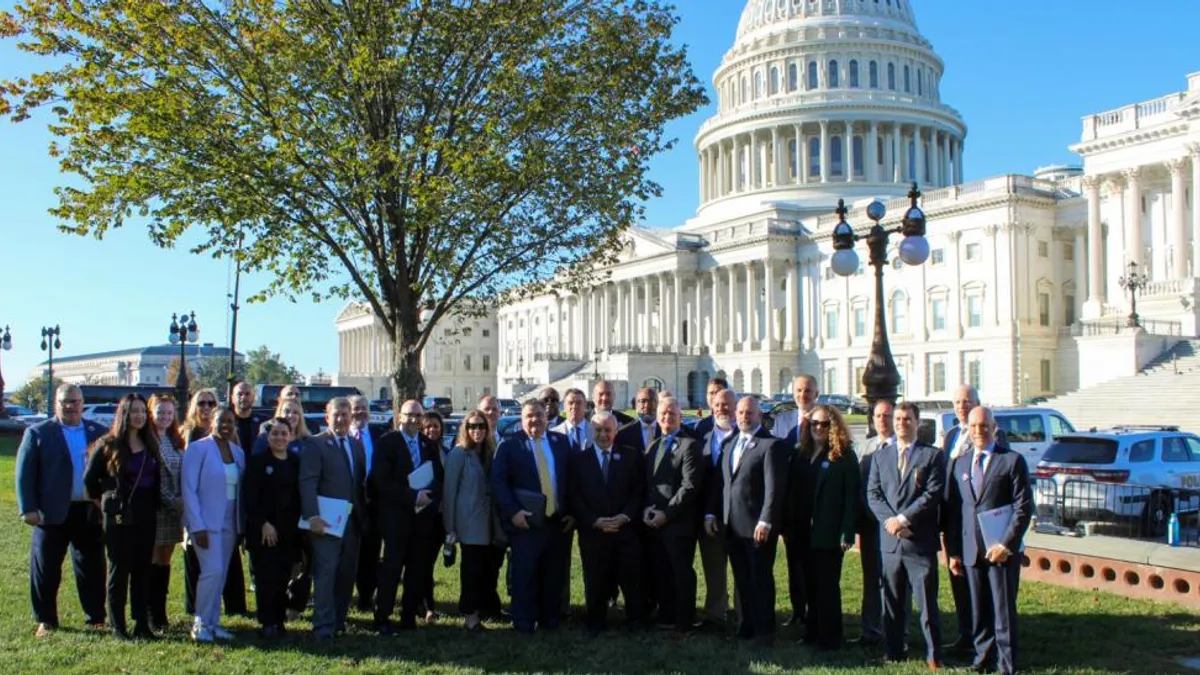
[(977, 473), (414, 452), (349, 454)]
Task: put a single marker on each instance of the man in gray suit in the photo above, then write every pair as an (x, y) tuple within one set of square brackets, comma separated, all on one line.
[(713, 556), (333, 464), (905, 494), (868, 527), (575, 427)]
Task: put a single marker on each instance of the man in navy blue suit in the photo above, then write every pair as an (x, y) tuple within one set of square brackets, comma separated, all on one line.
[(51, 499), (529, 486), (990, 476), (715, 386)]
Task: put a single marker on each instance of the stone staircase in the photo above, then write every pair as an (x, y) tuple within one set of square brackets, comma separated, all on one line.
[(1166, 391)]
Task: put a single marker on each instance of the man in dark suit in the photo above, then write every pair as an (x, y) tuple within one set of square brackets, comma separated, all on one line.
[(332, 465), (673, 471), (753, 485), (790, 427), (868, 527), (642, 432), (407, 517), (606, 496), (529, 486), (990, 477), (553, 403), (370, 541), (51, 498), (713, 555), (715, 386), (248, 424), (603, 398), (957, 443), (905, 493)]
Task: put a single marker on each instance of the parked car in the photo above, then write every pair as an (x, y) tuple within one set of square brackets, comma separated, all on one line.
[(381, 411), (1138, 474), (450, 431), (441, 404), (1031, 430), (508, 425), (23, 414), (101, 413), (935, 404), (846, 405), (933, 425), (509, 406)]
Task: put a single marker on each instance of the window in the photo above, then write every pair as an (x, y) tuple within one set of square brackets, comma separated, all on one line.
[(448, 362), (892, 76), (773, 82), (975, 371), (907, 80), (938, 309), (793, 77), (466, 362), (833, 75), (758, 85), (937, 256), (1060, 427), (466, 332), (831, 324), (920, 82), (1022, 428), (1044, 309), (814, 157), (1069, 251), (859, 387), (1069, 310), (1175, 450), (937, 372), (830, 377), (487, 333), (812, 75), (446, 332), (830, 274), (835, 156), (860, 321), (873, 75), (487, 391), (857, 150), (1045, 373), (1043, 249), (899, 318), (487, 363), (974, 252), (854, 74), (1142, 451), (974, 311)]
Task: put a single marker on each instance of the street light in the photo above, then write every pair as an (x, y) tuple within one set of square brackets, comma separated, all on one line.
[(1133, 282), (5, 345), (521, 370), (881, 379), (596, 356), (50, 342), (182, 331)]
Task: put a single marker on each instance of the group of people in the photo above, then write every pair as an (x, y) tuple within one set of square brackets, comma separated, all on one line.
[(640, 494)]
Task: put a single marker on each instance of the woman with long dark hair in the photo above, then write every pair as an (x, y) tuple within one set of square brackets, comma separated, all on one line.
[(123, 477), (271, 493), (821, 513), (169, 529), (469, 515), (433, 427)]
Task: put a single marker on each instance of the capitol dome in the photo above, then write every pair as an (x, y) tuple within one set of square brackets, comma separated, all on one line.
[(825, 99)]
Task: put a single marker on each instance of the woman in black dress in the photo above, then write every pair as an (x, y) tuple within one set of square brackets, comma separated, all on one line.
[(123, 477), (272, 500)]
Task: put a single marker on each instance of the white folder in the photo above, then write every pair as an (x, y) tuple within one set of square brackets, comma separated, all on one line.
[(335, 512), (993, 524), (421, 479)]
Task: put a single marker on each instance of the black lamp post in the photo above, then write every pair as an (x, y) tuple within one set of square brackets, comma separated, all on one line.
[(881, 379), (596, 358), (1133, 282), (5, 345), (50, 342), (237, 285), (183, 330), (520, 370)]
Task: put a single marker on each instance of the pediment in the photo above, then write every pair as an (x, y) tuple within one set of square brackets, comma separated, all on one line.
[(353, 310), (638, 243)]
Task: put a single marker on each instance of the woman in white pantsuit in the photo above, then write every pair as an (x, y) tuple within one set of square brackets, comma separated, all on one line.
[(212, 484)]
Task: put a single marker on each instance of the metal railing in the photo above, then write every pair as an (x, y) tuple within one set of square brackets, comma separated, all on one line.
[(1091, 507), (1117, 324), (556, 356)]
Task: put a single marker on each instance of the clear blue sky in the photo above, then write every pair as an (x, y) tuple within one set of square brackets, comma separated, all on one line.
[(1022, 73)]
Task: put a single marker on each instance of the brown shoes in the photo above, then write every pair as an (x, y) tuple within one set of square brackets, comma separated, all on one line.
[(43, 631)]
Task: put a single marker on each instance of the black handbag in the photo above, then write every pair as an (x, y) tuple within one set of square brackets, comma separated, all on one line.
[(121, 510)]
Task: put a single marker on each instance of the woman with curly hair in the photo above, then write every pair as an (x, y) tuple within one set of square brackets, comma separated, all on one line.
[(821, 509), (123, 477), (169, 530)]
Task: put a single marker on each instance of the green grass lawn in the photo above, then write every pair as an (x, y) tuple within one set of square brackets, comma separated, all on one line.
[(1062, 631)]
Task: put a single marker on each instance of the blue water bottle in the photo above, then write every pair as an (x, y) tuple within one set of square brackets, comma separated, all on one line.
[(1173, 530)]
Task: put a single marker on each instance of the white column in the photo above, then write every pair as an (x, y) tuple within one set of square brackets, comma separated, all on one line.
[(621, 323), (732, 309), (805, 157), (1178, 229), (871, 156), (604, 325), (776, 174), (764, 170), (769, 304), (799, 154), (752, 163), (716, 306), (696, 334), (848, 152), (1133, 218), (663, 318), (897, 164), (1194, 149), (751, 334), (1095, 253), (791, 306), (919, 159), (720, 191), (958, 155), (1081, 280), (645, 341), (824, 151), (676, 332)]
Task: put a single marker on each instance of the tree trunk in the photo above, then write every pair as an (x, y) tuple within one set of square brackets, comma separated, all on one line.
[(407, 380)]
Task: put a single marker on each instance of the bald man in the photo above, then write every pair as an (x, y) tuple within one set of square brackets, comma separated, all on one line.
[(603, 398)]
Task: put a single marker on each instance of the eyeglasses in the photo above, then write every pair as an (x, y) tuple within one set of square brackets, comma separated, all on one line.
[(206, 404), (820, 424), (477, 426), (550, 399)]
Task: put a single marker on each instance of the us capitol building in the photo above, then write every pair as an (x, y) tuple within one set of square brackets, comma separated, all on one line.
[(825, 99)]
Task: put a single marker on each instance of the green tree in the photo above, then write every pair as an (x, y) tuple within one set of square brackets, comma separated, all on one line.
[(266, 367), (173, 374), (418, 154), (32, 394)]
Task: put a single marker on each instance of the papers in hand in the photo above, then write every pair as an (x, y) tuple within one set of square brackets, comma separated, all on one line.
[(993, 525), (421, 479), (335, 512)]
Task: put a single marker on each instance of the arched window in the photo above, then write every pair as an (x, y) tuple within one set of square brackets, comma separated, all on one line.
[(911, 174), (773, 83), (814, 157), (833, 74), (854, 74), (873, 75), (907, 80), (758, 85), (793, 82), (920, 82), (892, 76), (899, 318), (857, 149), (925, 156), (744, 94), (879, 152), (793, 160), (812, 75), (835, 156)]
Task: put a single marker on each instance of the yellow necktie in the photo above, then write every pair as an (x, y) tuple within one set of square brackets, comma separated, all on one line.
[(903, 459), (544, 477)]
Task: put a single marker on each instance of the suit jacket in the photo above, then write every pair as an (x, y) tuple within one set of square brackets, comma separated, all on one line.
[(594, 497), (709, 472), (565, 429), (515, 468), (755, 491), (630, 435), (866, 464), (392, 499), (835, 502), (676, 487), (787, 427), (325, 471), (1005, 481), (704, 426), (917, 495), (952, 437), (204, 486), (467, 510), (271, 496), (45, 472)]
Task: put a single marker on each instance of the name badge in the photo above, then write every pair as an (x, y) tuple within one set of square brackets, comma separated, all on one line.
[(966, 478), (825, 464), (616, 458), (270, 470)]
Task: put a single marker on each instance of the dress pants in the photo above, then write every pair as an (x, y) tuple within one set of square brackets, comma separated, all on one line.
[(714, 559), (537, 575), (493, 561), (671, 558), (272, 571), (994, 613), (82, 532), (872, 601), (233, 591), (299, 588), (823, 579), (961, 590), (433, 553), (754, 577), (566, 591), (335, 564), (214, 568), (797, 551), (370, 545), (611, 561), (129, 548), (905, 576), (473, 578)]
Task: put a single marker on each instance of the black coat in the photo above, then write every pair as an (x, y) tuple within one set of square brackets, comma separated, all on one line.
[(593, 497), (388, 490), (756, 491), (675, 488)]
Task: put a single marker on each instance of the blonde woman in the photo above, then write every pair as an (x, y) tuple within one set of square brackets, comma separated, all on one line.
[(294, 414), (170, 512), (198, 423)]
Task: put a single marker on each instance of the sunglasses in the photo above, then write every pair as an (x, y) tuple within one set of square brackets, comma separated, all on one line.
[(477, 426), (550, 399), (206, 404), (820, 424)]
